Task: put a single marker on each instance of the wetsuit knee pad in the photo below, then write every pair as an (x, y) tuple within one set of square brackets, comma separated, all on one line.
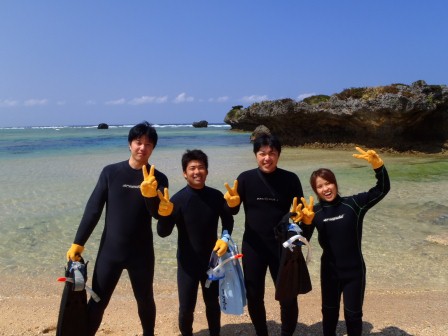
[(352, 316), (330, 312)]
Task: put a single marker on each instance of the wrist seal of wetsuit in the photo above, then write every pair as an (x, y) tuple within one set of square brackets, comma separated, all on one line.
[(74, 253)]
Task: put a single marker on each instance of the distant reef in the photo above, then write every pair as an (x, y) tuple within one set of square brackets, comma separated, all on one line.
[(395, 117), (200, 124)]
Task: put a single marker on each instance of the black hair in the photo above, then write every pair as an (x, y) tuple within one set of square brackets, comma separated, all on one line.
[(267, 140), (142, 129), (195, 154), (324, 173)]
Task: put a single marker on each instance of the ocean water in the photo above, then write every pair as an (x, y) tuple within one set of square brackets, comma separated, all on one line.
[(47, 175)]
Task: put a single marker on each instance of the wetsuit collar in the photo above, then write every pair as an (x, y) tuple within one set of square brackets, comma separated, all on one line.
[(333, 202)]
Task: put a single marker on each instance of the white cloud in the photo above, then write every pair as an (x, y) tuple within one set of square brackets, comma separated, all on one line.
[(305, 95), (148, 100), (35, 102), (8, 103), (90, 102), (183, 98), (116, 102), (254, 98), (221, 99), (61, 102)]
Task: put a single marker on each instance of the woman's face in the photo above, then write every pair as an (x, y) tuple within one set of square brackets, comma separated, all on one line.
[(326, 191)]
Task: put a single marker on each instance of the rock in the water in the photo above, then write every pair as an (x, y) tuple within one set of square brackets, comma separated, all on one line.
[(398, 116), (103, 126), (199, 124), (260, 130)]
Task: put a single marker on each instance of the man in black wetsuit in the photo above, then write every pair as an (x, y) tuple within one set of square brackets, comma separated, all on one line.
[(127, 240), (266, 193), (195, 210), (339, 222)]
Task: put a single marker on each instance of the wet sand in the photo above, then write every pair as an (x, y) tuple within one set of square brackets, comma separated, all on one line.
[(30, 307)]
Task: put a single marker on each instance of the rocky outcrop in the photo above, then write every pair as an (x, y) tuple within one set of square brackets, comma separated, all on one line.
[(103, 126), (259, 130), (199, 124), (399, 117)]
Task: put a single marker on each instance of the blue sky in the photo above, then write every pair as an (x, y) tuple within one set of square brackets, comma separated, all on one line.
[(121, 62)]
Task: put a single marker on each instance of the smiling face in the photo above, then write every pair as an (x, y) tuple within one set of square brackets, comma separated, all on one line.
[(196, 173), (325, 190), (267, 159)]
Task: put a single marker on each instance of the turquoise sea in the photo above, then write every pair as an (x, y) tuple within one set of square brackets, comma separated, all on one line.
[(48, 173)]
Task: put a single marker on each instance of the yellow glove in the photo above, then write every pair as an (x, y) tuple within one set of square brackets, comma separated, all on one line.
[(149, 185), (308, 212), (297, 209), (371, 156), (220, 247), (74, 253), (165, 206), (231, 196)]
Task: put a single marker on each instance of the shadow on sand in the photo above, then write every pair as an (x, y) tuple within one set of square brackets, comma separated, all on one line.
[(247, 329)]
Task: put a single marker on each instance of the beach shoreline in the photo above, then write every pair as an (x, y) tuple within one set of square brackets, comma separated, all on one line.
[(30, 307)]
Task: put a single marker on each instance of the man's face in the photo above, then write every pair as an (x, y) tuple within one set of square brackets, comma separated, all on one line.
[(141, 149), (196, 174), (267, 159)]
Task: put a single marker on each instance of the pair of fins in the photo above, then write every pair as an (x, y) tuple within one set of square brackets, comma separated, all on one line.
[(228, 271)]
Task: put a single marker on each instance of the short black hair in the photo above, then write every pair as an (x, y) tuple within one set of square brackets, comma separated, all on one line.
[(141, 129), (267, 140), (194, 154)]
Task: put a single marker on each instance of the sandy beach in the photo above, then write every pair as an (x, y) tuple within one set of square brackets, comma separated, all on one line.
[(33, 310), (404, 238)]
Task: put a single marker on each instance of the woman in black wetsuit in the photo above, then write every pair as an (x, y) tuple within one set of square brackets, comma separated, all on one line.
[(339, 222), (266, 194), (196, 210)]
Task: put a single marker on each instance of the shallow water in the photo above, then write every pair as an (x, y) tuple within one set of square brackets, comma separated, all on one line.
[(46, 181)]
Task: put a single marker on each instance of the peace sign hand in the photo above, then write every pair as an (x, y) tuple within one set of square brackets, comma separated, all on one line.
[(370, 156), (308, 212), (148, 187), (297, 209), (165, 206), (231, 196)]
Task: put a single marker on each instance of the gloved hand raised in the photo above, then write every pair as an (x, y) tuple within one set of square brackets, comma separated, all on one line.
[(149, 185), (370, 156), (165, 206), (231, 196), (297, 209), (220, 247), (308, 212), (74, 253)]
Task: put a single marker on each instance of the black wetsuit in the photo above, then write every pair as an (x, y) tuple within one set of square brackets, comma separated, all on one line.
[(339, 224), (126, 241), (196, 214), (266, 198)]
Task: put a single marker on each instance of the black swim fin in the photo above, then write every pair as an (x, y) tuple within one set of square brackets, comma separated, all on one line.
[(72, 318)]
